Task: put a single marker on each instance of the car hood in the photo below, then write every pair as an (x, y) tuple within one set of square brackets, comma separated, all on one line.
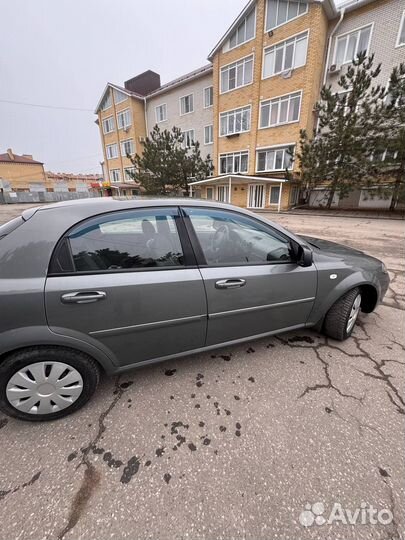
[(349, 255)]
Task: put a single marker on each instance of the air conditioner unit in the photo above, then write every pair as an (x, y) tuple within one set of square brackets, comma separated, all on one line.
[(334, 68), (126, 129), (142, 140), (270, 33), (287, 74)]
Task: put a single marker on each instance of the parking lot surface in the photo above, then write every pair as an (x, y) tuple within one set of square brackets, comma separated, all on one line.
[(239, 443)]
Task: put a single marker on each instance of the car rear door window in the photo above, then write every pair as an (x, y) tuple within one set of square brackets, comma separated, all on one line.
[(127, 240), (227, 238)]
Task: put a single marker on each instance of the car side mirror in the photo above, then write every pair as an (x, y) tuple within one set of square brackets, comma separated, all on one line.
[(305, 256)]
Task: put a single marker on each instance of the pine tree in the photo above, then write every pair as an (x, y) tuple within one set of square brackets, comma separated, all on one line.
[(166, 161), (337, 157)]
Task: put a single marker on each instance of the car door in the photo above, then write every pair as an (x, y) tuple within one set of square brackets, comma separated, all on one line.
[(252, 283), (128, 282)]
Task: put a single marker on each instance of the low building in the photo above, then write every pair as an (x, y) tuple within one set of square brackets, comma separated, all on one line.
[(74, 183), (21, 174)]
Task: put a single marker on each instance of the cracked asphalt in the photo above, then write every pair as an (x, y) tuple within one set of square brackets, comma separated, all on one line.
[(233, 444)]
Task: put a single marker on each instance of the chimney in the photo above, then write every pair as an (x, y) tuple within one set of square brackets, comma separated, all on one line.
[(144, 84), (10, 154), (29, 156)]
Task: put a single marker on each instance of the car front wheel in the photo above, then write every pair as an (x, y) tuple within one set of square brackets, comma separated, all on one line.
[(46, 383), (342, 316)]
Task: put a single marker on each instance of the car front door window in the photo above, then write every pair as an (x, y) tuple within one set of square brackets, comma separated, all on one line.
[(231, 238)]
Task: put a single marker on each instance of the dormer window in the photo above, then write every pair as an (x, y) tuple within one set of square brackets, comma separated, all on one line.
[(244, 32)]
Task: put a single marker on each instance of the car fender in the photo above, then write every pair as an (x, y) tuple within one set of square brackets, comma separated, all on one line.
[(323, 303), (31, 336)]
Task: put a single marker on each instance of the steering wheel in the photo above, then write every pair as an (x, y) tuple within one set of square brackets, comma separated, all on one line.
[(221, 237)]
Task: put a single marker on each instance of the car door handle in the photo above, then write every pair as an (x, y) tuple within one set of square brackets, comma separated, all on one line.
[(87, 297), (230, 283)]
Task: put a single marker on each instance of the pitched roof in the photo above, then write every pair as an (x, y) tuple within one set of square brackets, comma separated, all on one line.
[(129, 93), (5, 158), (328, 5), (200, 72)]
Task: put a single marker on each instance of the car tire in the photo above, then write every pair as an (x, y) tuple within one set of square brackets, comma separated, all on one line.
[(62, 380), (341, 318)]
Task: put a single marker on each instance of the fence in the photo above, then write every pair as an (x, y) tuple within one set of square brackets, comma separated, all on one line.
[(11, 197)]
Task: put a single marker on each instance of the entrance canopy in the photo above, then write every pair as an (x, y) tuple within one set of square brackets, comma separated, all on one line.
[(228, 180)]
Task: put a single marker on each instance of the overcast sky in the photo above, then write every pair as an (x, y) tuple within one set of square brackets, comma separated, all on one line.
[(61, 53)]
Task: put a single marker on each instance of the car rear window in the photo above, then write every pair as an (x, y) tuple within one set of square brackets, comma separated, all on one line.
[(10, 226)]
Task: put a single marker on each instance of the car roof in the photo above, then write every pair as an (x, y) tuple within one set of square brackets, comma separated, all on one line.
[(107, 204)]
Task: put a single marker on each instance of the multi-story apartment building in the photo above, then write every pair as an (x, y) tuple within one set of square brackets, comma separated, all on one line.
[(126, 115), (267, 75), (375, 26), (250, 104)]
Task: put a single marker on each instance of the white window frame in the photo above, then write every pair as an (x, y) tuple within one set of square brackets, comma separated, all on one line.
[(112, 171), (115, 91), (122, 143), (273, 46), (185, 132), (278, 186), (119, 113), (401, 28), (275, 147), (255, 184), (346, 34), (239, 152), (227, 192), (234, 112), (109, 146), (104, 100), (286, 22), (279, 99), (125, 174), (180, 102), (212, 134), (228, 42), (156, 113), (227, 67), (105, 120), (204, 94)]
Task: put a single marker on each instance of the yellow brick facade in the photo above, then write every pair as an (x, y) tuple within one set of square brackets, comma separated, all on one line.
[(306, 78), (21, 176), (136, 131)]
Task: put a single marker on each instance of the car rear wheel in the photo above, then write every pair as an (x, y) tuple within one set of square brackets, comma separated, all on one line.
[(342, 316), (46, 383)]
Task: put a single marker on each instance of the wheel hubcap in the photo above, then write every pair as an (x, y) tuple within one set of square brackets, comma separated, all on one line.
[(44, 388), (354, 313)]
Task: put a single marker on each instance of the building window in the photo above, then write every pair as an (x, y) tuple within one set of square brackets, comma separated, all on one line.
[(237, 74), (210, 193), (348, 46), (111, 151), (208, 97), (108, 125), (127, 147), (236, 121), (281, 110), (187, 104), (189, 138), (107, 101), (286, 55), (275, 159), (236, 162), (115, 175), (274, 194), (281, 11), (401, 33), (124, 119), (223, 194), (128, 172), (209, 134), (161, 113), (119, 97), (244, 32)]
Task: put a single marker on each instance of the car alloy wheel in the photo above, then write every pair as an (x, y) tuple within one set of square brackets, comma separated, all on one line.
[(44, 388), (354, 313)]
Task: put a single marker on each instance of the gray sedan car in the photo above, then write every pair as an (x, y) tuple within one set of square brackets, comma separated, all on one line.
[(109, 285)]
